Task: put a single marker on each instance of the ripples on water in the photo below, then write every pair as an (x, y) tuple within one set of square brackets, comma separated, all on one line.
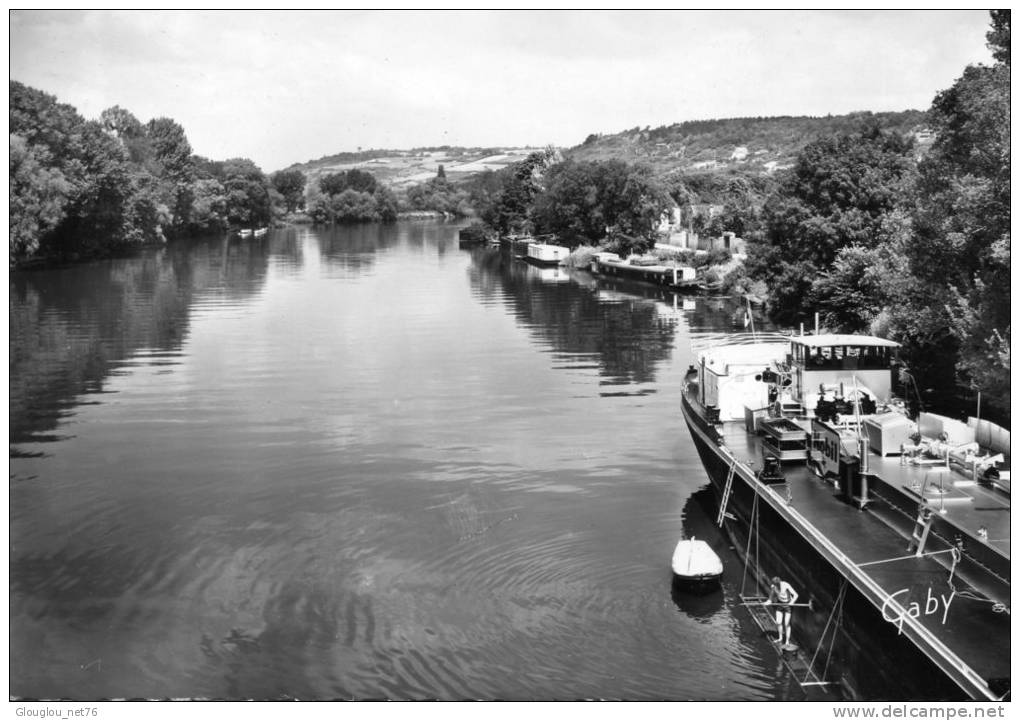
[(358, 463)]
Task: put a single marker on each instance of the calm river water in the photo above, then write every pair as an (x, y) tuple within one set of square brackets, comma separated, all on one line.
[(360, 463)]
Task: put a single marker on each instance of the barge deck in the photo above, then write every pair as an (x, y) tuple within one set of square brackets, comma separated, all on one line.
[(959, 619)]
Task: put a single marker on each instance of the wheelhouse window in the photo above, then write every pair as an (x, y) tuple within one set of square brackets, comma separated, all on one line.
[(875, 358), (845, 357)]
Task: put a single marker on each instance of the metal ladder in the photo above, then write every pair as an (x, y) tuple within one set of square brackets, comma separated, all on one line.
[(727, 489), (922, 525)]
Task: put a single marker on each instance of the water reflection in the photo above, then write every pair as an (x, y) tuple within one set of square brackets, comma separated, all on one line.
[(353, 249), (709, 602), (701, 605), (628, 335), (351, 464), (71, 328)]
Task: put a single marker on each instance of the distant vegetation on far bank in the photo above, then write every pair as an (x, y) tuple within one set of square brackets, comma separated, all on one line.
[(82, 189)]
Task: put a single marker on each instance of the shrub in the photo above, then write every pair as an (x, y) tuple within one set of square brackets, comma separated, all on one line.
[(582, 256)]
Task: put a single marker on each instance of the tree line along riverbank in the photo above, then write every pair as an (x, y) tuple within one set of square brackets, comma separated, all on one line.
[(869, 228)]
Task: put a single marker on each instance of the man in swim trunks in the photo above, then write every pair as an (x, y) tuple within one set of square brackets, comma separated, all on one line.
[(782, 594)]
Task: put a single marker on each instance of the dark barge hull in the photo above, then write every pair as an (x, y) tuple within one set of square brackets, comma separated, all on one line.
[(541, 263), (865, 655)]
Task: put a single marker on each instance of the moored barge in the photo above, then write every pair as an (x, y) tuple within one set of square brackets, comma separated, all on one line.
[(545, 254), (895, 529), (676, 277)]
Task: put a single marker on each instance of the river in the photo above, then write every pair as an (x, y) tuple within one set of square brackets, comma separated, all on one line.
[(360, 463)]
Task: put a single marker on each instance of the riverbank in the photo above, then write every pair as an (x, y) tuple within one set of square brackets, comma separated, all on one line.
[(46, 262), (302, 218), (424, 215)]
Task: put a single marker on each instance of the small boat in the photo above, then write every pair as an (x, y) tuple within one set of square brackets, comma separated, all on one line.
[(259, 232), (245, 232), (696, 565)]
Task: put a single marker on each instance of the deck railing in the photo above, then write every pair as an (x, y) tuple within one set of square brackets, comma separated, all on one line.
[(709, 340)]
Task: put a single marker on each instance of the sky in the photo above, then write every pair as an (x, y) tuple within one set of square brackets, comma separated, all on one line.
[(283, 87)]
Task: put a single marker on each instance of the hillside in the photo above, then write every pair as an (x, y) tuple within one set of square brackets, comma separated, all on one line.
[(398, 168), (745, 144)]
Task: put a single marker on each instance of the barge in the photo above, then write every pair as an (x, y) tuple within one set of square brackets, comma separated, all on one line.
[(676, 277), (896, 530), (544, 254)]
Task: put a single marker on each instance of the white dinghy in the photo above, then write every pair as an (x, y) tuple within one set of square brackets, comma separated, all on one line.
[(695, 564)]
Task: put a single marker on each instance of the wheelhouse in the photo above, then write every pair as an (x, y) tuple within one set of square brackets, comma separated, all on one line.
[(841, 365)]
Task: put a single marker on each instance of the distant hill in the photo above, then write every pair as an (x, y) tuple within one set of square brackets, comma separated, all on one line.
[(398, 168), (745, 144)]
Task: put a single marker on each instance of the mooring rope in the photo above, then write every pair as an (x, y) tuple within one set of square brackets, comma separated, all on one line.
[(904, 558), (997, 606), (752, 531), (835, 629)]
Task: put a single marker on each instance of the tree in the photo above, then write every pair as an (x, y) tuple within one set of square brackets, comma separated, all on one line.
[(333, 183), (960, 253), (436, 194), (209, 207), (124, 126), (361, 180), (38, 197), (855, 289), (837, 195), (353, 179), (484, 190), (171, 148), (998, 37), (71, 185), (247, 193), (42, 121), (521, 183), (82, 189), (386, 204), (586, 201), (291, 185), (740, 219), (353, 205)]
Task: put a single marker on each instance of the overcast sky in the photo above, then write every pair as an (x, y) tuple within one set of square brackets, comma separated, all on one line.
[(286, 87)]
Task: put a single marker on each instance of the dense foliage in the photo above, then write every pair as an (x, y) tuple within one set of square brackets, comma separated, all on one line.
[(959, 257), (350, 196), (835, 197), (504, 199), (439, 195), (589, 202), (611, 202), (290, 184), (871, 239), (81, 188)]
